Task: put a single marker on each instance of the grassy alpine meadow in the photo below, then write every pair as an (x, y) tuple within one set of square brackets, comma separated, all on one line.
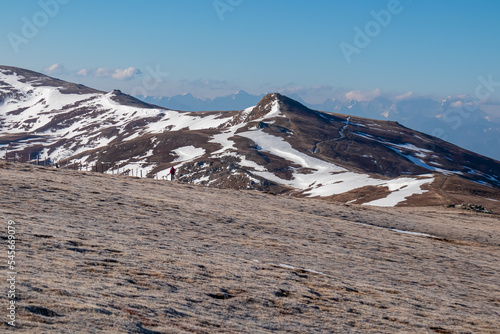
[(100, 253)]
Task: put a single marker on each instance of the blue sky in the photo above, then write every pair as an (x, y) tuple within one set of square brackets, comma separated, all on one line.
[(212, 48)]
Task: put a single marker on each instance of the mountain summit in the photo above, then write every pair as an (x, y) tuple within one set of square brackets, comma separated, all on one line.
[(278, 146), (450, 119)]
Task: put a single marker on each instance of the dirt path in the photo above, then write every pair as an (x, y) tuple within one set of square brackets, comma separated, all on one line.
[(109, 254), (341, 136)]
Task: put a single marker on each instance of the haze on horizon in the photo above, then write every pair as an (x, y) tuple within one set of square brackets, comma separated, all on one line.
[(329, 49)]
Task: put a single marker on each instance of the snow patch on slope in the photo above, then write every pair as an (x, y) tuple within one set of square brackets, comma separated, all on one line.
[(419, 153), (188, 153), (275, 110), (401, 189), (325, 179), (223, 138)]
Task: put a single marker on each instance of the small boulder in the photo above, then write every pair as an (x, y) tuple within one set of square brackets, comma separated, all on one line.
[(473, 207)]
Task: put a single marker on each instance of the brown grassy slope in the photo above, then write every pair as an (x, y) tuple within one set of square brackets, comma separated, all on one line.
[(109, 254)]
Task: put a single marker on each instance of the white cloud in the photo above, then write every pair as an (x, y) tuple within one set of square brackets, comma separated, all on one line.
[(103, 72), (54, 69), (357, 95), (126, 74), (119, 73), (83, 72), (404, 96)]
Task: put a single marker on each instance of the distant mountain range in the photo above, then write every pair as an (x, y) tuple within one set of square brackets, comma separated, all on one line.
[(278, 146), (449, 119), (188, 102)]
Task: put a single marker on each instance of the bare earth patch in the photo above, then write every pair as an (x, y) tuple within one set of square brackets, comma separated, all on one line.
[(109, 254)]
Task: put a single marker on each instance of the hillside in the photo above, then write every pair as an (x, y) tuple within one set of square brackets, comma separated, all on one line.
[(104, 253), (278, 146), (453, 118)]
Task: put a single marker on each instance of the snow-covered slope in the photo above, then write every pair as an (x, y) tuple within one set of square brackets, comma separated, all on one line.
[(64, 124), (278, 146)]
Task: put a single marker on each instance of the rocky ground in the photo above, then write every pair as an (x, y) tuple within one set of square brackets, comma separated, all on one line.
[(111, 254)]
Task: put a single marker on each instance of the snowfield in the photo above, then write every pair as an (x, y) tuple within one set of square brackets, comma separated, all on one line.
[(188, 153)]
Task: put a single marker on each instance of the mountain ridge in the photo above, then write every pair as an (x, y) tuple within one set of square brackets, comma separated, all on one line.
[(278, 146), (445, 118)]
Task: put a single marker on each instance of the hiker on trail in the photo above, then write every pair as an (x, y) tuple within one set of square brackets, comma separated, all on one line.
[(172, 173)]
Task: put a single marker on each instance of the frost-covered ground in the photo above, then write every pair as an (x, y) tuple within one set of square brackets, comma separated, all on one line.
[(112, 254)]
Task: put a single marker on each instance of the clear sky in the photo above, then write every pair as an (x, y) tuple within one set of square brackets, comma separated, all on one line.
[(211, 48)]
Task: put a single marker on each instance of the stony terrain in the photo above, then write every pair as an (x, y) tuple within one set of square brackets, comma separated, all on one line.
[(112, 254)]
